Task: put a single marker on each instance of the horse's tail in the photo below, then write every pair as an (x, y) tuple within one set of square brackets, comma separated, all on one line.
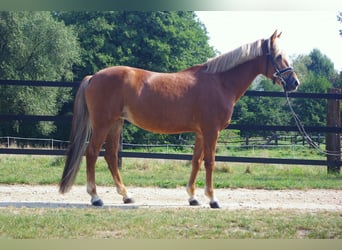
[(79, 134)]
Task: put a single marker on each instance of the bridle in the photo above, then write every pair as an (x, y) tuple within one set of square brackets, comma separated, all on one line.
[(279, 73)]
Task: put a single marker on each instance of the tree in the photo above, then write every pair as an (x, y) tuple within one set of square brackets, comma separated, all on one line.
[(320, 64), (163, 41), (34, 46), (312, 111), (261, 110), (317, 73), (94, 34), (158, 41)]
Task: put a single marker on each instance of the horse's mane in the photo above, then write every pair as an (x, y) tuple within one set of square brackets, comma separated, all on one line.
[(235, 57)]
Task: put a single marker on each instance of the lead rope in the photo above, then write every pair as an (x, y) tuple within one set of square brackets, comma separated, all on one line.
[(301, 129)]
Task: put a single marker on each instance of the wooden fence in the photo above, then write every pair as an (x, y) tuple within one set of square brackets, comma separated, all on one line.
[(332, 129)]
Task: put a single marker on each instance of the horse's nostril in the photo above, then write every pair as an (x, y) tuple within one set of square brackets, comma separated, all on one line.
[(292, 84), (295, 83)]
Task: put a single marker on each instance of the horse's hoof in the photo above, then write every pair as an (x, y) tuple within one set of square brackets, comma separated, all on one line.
[(194, 202), (97, 203), (128, 200), (214, 204)]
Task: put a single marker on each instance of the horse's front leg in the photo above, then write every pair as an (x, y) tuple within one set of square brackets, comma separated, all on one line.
[(209, 164), (196, 164), (111, 156)]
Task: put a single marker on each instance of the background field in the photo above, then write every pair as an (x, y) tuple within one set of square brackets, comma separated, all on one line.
[(171, 173)]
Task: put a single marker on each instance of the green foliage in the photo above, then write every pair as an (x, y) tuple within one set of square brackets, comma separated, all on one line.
[(34, 46), (320, 64), (313, 111), (261, 110), (158, 41), (317, 72)]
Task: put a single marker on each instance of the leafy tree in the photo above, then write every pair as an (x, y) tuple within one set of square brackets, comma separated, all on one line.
[(315, 63), (318, 73), (300, 64), (320, 64), (312, 111), (261, 110), (34, 46), (158, 41), (94, 34)]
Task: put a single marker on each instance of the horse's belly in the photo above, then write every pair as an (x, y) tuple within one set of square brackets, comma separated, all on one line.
[(157, 121)]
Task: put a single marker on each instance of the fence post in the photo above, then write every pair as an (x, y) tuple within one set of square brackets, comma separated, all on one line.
[(333, 143)]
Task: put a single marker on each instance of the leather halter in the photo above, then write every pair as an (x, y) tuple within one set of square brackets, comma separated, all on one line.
[(278, 74)]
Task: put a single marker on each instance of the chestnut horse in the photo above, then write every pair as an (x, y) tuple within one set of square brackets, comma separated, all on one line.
[(199, 99)]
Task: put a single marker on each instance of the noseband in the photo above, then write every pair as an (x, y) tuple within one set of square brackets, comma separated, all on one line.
[(279, 73)]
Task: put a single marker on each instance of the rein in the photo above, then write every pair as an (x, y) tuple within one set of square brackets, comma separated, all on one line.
[(303, 132)]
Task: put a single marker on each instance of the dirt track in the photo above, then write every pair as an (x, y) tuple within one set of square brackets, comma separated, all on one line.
[(48, 197)]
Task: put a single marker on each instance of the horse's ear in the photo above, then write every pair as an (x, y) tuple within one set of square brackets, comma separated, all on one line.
[(274, 36)]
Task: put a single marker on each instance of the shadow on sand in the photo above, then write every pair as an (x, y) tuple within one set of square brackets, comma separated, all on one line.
[(62, 205)]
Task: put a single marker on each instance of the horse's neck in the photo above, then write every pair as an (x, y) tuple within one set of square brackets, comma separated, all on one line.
[(239, 79)]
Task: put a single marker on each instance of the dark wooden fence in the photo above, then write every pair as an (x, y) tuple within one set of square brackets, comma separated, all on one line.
[(328, 129)]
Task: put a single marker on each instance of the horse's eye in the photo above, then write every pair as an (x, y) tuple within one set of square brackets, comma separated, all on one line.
[(278, 57)]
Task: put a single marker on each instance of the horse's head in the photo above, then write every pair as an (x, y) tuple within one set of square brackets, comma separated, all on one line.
[(277, 65)]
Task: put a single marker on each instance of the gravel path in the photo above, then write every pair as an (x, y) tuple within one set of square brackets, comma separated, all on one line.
[(231, 199)]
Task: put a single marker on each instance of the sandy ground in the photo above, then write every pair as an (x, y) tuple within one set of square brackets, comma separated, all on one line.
[(230, 199)]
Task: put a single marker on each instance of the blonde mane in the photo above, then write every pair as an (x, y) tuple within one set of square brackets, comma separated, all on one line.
[(235, 57)]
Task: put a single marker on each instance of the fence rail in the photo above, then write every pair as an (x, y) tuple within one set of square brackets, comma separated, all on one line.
[(240, 127), (248, 93), (166, 156)]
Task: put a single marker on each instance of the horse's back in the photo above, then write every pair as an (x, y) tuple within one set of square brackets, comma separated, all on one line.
[(158, 102)]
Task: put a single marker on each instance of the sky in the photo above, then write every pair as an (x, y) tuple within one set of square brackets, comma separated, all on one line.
[(302, 30)]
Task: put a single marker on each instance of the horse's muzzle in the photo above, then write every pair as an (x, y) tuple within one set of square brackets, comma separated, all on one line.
[(291, 84)]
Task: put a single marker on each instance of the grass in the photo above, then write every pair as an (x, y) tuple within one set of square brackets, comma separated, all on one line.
[(167, 224), (168, 174), (179, 223)]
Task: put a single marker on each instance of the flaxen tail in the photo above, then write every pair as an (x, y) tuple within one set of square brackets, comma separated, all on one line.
[(79, 134)]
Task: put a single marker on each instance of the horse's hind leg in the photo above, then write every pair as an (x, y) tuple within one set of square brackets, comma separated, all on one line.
[(111, 156), (92, 152)]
